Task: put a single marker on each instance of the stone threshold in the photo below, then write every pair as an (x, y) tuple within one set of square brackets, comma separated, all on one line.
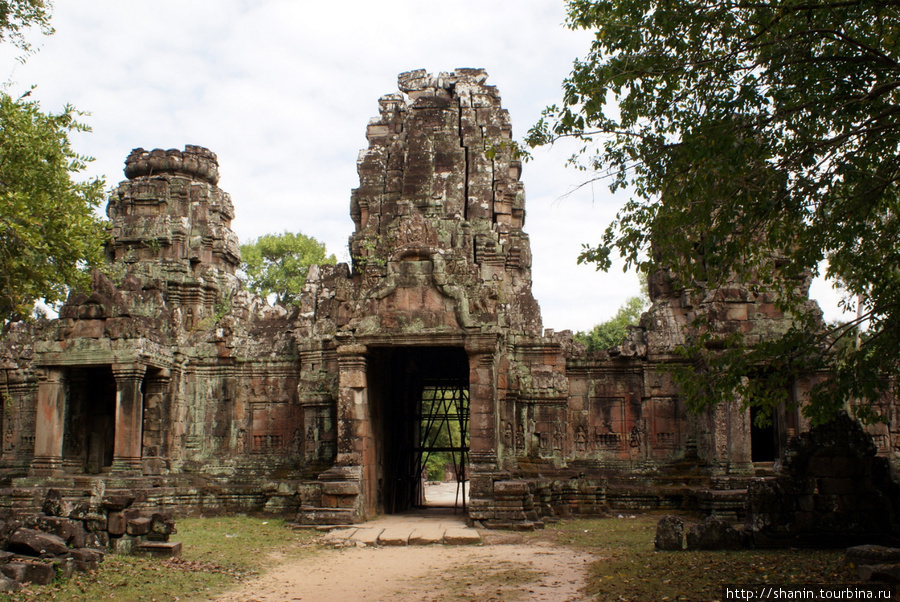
[(417, 534)]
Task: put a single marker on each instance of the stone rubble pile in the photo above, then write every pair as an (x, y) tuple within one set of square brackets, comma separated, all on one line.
[(71, 536), (713, 533), (875, 563), (833, 490)]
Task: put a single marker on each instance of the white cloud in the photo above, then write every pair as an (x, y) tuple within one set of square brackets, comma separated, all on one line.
[(282, 90)]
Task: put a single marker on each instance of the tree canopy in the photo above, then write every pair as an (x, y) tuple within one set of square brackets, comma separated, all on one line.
[(49, 233), (757, 140), (278, 264), (612, 332), (19, 16)]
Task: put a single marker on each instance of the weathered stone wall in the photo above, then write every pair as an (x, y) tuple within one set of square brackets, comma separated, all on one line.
[(167, 376), (832, 491)]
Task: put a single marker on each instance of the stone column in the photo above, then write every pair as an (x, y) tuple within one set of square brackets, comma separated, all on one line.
[(731, 435), (482, 406), (49, 423), (483, 427), (156, 442), (129, 417), (353, 429), (348, 488)]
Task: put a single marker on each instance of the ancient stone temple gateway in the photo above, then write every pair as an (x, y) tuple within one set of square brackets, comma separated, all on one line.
[(169, 379)]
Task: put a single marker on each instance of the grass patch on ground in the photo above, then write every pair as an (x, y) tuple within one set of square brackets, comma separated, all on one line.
[(631, 569), (218, 552)]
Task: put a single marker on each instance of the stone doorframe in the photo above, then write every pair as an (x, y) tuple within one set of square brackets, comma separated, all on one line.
[(349, 487), (50, 423)]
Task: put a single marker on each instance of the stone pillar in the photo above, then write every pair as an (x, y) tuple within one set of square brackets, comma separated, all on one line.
[(18, 421), (730, 427), (156, 420), (482, 427), (129, 418), (348, 488), (49, 423), (353, 429), (482, 406)]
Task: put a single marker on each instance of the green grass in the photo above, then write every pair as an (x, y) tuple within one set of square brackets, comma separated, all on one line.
[(631, 569), (218, 552)]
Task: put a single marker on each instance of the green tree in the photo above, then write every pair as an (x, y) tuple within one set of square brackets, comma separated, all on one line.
[(19, 16), (757, 139), (613, 331), (278, 264), (50, 235)]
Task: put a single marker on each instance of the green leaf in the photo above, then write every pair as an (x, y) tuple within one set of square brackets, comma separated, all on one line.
[(278, 264), (756, 140)]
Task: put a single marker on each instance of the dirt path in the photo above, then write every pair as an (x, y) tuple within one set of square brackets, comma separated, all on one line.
[(505, 568)]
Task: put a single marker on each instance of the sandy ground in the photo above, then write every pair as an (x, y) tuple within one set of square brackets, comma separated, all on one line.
[(495, 571), (507, 566)]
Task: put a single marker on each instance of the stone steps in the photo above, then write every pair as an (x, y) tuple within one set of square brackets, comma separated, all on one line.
[(403, 535)]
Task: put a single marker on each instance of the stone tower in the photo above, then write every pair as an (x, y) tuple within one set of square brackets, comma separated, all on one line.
[(439, 292), (439, 191), (171, 228)]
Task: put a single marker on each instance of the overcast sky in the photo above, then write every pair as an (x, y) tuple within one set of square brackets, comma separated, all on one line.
[(282, 90)]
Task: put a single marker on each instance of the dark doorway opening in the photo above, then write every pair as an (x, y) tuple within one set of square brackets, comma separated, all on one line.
[(419, 408), (90, 432), (763, 444)]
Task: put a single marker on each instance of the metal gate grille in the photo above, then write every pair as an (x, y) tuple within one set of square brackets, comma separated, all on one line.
[(443, 422), (420, 410)]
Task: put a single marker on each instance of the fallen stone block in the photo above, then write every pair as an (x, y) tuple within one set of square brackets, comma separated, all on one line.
[(63, 568), (872, 555), (87, 555), (116, 502), (55, 505), (39, 573), (86, 567), (98, 540), (80, 511), (70, 531), (87, 560), (36, 543), (95, 522), (8, 585), (669, 534), (159, 549), (115, 523), (7, 528), (886, 573), (713, 533), (122, 545), (138, 526), (162, 525), (14, 571)]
